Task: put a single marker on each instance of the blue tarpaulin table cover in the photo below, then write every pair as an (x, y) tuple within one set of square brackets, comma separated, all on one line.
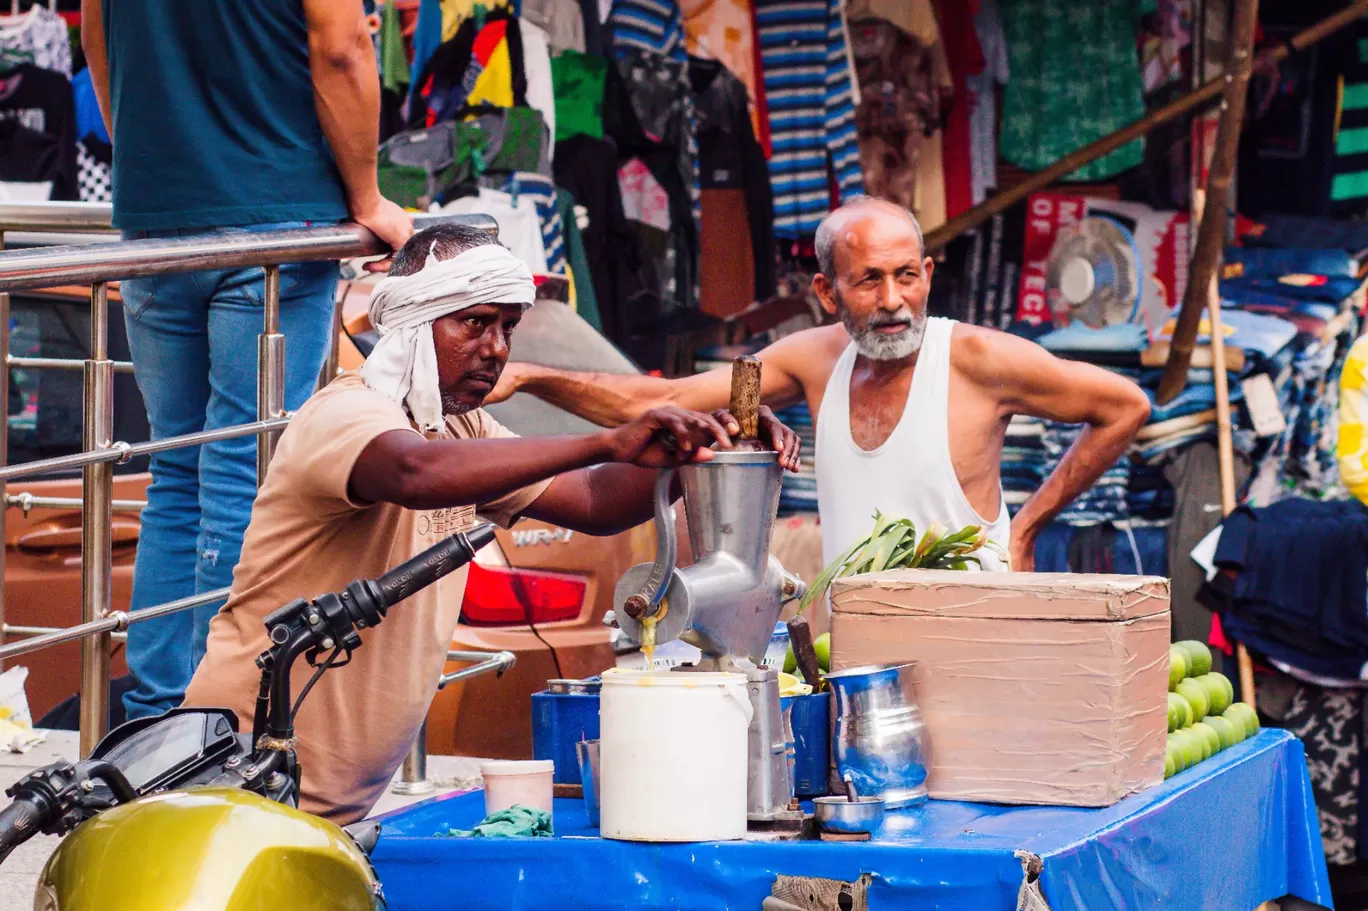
[(1230, 833)]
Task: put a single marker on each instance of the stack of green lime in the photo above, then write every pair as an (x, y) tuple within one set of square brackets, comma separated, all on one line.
[(1203, 717)]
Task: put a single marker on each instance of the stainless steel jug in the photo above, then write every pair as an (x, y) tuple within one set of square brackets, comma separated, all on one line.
[(880, 737)]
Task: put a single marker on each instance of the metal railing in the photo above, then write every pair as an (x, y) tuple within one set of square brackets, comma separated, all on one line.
[(97, 265)]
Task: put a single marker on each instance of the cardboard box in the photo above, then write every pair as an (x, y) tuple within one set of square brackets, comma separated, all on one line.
[(1037, 688)]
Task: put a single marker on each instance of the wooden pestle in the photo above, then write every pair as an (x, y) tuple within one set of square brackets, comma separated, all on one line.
[(745, 402)]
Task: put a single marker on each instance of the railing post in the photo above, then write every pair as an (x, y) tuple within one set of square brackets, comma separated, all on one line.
[(97, 497), (329, 372), (270, 372), (4, 436), (413, 778)]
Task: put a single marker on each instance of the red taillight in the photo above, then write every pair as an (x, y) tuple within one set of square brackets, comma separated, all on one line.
[(496, 596)]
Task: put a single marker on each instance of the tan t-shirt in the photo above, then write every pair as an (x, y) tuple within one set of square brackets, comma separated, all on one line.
[(306, 538)]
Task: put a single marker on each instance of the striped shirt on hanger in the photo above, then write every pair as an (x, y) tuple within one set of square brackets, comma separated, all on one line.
[(808, 88)]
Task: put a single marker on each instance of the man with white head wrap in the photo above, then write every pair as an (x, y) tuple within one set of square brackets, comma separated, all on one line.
[(386, 462)]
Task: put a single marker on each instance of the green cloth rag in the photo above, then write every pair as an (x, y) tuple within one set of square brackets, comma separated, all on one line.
[(515, 822)]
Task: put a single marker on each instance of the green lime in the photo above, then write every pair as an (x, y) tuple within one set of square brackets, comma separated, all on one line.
[(1196, 696), (1219, 692), (1184, 709), (1177, 666), (1198, 657), (1245, 714), (1170, 762), (1208, 733), (822, 646), (1189, 747), (1229, 732), (790, 661)]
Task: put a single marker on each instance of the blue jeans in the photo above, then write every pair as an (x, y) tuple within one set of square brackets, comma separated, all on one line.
[(193, 338)]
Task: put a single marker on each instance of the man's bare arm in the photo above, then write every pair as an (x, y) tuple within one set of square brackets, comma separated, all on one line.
[(1033, 382), (403, 468), (347, 98), (93, 43), (611, 399)]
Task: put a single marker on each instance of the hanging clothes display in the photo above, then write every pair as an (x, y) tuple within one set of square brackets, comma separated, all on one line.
[(537, 72), (1075, 77), (427, 37), (41, 100), (577, 261), (519, 223), (481, 65), (649, 114), (812, 116), (578, 83), (654, 26), (966, 60), (899, 118), (455, 13), (542, 191), (587, 168), (562, 20), (981, 99), (724, 30), (738, 245), (39, 37)]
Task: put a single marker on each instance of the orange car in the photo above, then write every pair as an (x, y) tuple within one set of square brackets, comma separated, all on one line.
[(540, 593)]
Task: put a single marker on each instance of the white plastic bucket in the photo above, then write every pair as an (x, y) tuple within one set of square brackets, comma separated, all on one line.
[(672, 756), (523, 782)]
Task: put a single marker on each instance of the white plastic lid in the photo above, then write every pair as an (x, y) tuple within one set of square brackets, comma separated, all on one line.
[(631, 677), (518, 767)]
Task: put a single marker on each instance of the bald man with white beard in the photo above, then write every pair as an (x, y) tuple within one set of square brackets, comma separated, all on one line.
[(911, 411)]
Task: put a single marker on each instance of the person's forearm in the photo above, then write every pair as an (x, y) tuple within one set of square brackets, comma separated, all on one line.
[(621, 497), (347, 98), (426, 476), (1095, 451), (606, 399), (97, 59)]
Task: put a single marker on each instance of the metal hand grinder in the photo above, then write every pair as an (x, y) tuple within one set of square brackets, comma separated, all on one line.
[(728, 602)]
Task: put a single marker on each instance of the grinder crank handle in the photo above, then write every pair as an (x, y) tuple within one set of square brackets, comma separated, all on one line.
[(647, 601)]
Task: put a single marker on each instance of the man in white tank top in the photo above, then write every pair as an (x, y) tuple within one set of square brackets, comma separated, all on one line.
[(911, 410)]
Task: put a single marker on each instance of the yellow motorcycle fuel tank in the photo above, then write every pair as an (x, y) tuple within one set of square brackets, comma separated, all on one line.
[(208, 849)]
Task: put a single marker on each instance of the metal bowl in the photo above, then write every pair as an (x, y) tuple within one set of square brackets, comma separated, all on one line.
[(839, 814)]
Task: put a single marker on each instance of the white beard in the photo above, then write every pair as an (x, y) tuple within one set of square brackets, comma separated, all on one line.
[(878, 346)]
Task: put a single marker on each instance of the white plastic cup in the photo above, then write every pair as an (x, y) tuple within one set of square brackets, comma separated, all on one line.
[(525, 782)]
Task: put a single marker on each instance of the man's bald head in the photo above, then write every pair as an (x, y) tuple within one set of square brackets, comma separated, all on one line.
[(834, 227)]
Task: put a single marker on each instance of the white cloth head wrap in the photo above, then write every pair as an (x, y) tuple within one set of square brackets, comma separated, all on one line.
[(403, 365)]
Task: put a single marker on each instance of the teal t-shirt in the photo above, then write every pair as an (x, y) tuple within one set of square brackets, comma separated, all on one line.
[(214, 119)]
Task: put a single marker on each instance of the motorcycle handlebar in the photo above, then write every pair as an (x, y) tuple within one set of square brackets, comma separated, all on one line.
[(432, 564), (19, 822)]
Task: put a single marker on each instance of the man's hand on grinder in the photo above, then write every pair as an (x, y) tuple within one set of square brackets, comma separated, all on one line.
[(774, 433), (667, 437)]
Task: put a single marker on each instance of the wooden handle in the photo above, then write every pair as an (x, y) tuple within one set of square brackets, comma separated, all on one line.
[(800, 637), (745, 396)]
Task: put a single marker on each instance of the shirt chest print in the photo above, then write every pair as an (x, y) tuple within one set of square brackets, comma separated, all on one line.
[(441, 523)]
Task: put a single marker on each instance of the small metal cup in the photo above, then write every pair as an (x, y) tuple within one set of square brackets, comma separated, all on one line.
[(587, 751)]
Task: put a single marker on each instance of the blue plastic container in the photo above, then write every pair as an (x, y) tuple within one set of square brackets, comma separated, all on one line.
[(559, 721), (811, 742)]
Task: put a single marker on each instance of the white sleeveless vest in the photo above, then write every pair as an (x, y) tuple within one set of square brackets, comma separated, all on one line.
[(911, 474)]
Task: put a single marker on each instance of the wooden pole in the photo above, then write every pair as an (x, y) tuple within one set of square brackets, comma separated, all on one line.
[(1206, 258), (1174, 109), (1225, 448)]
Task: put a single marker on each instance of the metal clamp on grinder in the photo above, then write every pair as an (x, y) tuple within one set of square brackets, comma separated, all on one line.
[(728, 602)]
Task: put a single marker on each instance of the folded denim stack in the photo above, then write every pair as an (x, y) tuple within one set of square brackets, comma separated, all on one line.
[(1023, 460), (1105, 501), (798, 491)]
